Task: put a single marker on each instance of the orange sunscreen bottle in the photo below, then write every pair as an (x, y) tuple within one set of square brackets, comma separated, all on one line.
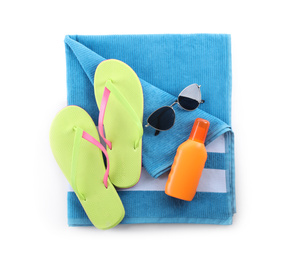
[(188, 164)]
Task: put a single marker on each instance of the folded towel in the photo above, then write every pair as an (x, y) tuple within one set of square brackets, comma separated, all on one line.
[(165, 65)]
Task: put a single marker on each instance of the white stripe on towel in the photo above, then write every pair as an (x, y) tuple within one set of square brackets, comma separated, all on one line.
[(212, 180), (217, 146)]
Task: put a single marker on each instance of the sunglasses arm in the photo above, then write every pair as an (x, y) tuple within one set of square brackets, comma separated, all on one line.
[(157, 132)]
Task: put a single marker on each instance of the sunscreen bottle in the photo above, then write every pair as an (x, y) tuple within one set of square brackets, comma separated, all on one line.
[(188, 164)]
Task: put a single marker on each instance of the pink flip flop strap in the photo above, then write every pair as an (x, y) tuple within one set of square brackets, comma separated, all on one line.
[(109, 87), (92, 140), (102, 110)]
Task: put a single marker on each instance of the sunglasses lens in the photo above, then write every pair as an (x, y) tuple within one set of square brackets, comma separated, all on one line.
[(188, 103), (190, 97), (162, 119)]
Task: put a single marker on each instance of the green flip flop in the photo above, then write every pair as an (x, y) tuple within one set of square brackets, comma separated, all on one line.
[(75, 145), (119, 97)]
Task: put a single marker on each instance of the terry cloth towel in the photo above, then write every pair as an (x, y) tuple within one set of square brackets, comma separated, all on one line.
[(165, 64)]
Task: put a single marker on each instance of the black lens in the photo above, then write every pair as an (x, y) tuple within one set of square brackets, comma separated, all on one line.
[(162, 119), (188, 103)]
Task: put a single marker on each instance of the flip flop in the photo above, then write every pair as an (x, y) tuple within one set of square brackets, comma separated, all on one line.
[(119, 97), (75, 145)]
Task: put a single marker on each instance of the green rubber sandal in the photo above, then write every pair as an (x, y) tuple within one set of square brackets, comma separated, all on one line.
[(75, 145), (119, 97)]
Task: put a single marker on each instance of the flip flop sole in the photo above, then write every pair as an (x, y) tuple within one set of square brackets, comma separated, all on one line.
[(102, 205), (120, 129)]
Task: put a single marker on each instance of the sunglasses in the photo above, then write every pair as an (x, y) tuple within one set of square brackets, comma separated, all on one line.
[(163, 118)]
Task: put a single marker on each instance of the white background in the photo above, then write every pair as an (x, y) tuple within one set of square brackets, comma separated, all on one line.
[(33, 88)]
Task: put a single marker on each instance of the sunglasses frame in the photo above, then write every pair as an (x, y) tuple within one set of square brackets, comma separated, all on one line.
[(171, 106)]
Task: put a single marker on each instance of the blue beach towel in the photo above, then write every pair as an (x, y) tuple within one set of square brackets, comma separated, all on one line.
[(165, 64)]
